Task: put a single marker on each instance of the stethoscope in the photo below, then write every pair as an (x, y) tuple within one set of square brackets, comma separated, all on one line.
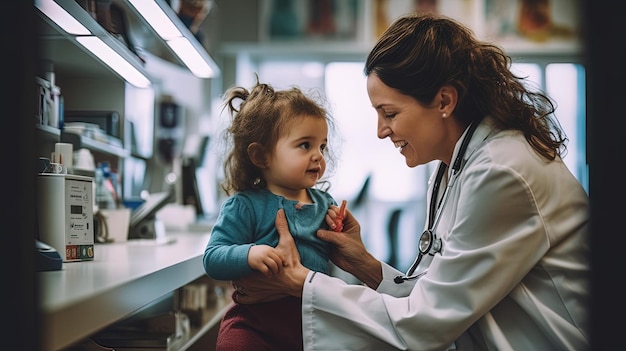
[(429, 243)]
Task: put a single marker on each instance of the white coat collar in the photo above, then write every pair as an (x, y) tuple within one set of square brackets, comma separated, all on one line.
[(485, 127)]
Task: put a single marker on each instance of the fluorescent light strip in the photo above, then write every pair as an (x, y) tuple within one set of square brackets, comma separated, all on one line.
[(190, 56), (101, 50), (114, 60), (59, 16), (155, 16), (163, 25)]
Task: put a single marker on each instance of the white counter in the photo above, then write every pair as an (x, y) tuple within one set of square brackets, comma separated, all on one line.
[(85, 297)]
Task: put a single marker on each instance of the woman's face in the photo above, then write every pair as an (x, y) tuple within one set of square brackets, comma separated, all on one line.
[(418, 131)]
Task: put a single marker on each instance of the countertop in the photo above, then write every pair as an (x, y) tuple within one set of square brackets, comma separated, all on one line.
[(84, 297)]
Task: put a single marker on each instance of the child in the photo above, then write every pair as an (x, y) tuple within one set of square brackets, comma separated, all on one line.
[(277, 158)]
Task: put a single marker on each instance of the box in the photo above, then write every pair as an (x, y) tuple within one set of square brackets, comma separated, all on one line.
[(108, 121), (65, 214)]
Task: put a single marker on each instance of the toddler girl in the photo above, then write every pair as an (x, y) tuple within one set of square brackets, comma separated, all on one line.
[(277, 159)]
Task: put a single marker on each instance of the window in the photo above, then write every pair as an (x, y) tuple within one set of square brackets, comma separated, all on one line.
[(565, 83)]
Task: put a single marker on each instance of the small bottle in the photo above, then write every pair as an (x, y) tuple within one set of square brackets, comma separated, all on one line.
[(104, 196)]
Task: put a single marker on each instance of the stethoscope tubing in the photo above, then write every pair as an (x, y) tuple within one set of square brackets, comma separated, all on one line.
[(456, 171), (433, 229)]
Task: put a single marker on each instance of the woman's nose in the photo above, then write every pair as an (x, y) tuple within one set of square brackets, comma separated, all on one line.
[(383, 130)]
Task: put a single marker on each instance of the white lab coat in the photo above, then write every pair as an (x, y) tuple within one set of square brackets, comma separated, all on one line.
[(513, 273)]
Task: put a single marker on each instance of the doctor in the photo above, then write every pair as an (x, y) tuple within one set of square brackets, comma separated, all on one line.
[(503, 262)]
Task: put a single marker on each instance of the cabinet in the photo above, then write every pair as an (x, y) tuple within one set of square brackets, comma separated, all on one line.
[(87, 297), (353, 28), (85, 83), (88, 84)]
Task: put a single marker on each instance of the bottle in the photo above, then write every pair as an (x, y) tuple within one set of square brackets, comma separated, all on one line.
[(104, 194), (110, 181)]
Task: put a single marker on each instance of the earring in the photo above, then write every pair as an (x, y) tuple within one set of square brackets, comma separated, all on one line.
[(257, 181), (444, 115)]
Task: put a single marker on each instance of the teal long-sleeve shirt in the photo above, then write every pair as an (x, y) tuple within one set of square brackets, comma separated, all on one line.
[(248, 218)]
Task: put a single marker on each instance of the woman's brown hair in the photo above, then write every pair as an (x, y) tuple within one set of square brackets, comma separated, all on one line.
[(420, 53)]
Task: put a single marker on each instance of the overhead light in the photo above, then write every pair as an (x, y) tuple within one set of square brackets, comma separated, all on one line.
[(155, 15), (191, 57), (198, 62), (59, 16), (114, 60), (92, 43)]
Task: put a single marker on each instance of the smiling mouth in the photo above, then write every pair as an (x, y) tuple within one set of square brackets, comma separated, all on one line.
[(400, 144)]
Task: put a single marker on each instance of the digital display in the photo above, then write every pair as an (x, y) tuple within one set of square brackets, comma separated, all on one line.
[(76, 209)]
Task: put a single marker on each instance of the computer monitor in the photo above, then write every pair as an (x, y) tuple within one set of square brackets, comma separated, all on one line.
[(142, 219), (193, 159), (134, 178)]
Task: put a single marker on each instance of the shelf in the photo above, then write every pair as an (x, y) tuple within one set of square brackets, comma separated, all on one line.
[(79, 141), (221, 306), (51, 134), (85, 297), (477, 14), (161, 325), (298, 50), (145, 40), (72, 59), (312, 50), (48, 133)]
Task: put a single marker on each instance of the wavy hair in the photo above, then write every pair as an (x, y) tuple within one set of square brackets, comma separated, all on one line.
[(421, 52), (262, 115)]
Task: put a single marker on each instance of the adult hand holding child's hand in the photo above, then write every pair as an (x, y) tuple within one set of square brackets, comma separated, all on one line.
[(289, 280)]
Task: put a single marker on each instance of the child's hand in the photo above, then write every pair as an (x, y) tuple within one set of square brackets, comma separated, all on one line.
[(335, 216), (265, 259)]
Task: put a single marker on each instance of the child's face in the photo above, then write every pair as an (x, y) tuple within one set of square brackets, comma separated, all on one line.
[(298, 159)]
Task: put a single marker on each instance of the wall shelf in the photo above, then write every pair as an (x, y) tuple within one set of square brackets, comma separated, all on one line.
[(80, 141), (480, 15), (71, 58), (54, 135), (48, 133)]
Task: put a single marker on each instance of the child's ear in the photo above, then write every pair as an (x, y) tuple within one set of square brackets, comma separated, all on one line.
[(256, 153)]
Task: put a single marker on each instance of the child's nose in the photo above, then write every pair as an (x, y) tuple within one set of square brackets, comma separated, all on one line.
[(317, 155)]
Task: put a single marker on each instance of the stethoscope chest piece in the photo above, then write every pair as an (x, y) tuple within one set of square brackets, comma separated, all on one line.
[(429, 243)]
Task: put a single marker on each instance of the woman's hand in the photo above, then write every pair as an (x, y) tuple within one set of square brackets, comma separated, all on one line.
[(349, 252), (286, 247), (288, 281)]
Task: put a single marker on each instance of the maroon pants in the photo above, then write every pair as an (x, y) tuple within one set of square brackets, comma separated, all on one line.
[(275, 325)]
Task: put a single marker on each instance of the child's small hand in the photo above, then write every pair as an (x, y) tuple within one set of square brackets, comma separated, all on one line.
[(335, 216), (265, 259)]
